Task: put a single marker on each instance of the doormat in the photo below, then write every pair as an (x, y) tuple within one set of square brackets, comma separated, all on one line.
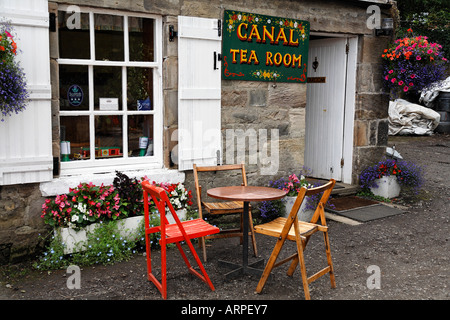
[(351, 202), (362, 210)]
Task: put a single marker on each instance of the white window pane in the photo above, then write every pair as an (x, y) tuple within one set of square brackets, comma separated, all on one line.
[(140, 89), (108, 137), (75, 131), (140, 135), (109, 37)]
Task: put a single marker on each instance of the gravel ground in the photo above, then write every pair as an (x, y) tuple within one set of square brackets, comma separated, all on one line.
[(410, 250)]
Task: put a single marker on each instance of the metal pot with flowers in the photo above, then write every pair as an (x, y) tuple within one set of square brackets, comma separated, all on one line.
[(389, 177), (271, 209)]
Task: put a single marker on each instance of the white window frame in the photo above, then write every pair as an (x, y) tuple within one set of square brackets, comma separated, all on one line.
[(93, 165)]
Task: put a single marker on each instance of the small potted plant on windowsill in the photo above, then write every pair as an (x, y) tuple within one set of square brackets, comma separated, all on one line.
[(388, 177)]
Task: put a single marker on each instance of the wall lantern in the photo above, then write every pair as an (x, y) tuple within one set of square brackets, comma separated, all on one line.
[(387, 27), (172, 33)]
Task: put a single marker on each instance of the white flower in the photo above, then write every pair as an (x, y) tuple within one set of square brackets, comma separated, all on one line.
[(74, 218), (82, 207)]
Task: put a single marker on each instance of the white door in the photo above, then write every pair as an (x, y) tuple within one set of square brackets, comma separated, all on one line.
[(325, 107), (199, 92)]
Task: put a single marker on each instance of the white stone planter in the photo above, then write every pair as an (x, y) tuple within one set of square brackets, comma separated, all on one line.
[(129, 227), (303, 215), (388, 187)]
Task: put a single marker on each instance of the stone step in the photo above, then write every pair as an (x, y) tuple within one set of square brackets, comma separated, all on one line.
[(340, 189)]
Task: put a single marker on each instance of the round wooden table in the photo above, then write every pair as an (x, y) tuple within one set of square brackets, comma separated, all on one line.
[(246, 194)]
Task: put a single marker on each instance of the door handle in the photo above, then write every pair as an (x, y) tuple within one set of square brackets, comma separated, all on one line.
[(217, 57)]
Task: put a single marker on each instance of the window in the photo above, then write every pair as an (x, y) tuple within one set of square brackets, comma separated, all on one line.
[(110, 90)]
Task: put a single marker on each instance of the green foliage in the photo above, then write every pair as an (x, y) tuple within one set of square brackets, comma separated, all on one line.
[(104, 245), (130, 193), (366, 193), (53, 257)]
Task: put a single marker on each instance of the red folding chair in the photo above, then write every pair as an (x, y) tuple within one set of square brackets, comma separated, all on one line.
[(172, 233)]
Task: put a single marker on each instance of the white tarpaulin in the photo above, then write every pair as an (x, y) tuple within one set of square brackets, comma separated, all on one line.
[(410, 118), (429, 95)]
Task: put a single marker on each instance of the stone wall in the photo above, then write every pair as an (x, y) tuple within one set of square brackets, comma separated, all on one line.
[(246, 105), (371, 109), (20, 222)]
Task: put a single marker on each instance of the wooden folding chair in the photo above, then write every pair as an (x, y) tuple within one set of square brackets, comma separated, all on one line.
[(291, 228), (229, 207), (172, 233)]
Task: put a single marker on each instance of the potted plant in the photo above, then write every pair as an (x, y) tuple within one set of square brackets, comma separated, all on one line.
[(389, 176), (179, 197), (292, 186), (78, 213), (411, 64), (13, 93)]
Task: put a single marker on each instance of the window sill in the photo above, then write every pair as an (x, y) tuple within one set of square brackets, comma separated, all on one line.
[(61, 185)]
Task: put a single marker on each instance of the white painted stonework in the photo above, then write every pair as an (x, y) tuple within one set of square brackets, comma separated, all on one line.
[(62, 185)]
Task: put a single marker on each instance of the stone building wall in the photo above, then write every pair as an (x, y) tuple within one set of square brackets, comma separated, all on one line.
[(246, 105), (371, 106)]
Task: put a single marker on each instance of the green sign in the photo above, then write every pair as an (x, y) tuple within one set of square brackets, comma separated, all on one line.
[(264, 48)]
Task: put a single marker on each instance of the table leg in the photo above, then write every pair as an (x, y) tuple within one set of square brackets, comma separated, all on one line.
[(245, 268), (245, 238)]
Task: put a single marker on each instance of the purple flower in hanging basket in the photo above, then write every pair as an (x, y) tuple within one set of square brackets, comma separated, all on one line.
[(13, 91)]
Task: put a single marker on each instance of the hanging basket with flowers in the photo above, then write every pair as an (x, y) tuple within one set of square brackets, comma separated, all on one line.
[(13, 91), (411, 64)]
